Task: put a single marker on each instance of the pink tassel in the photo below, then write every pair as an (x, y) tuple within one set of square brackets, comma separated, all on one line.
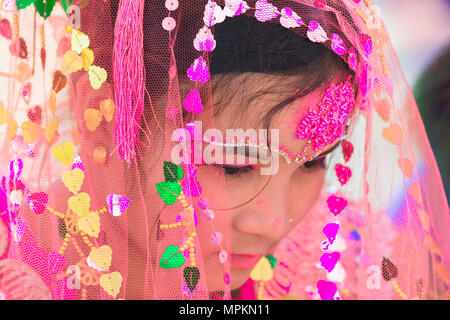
[(129, 77)]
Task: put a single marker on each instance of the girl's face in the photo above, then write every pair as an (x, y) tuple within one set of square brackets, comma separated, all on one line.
[(278, 202)]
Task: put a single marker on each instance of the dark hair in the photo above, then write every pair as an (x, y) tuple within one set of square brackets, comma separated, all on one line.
[(245, 45)]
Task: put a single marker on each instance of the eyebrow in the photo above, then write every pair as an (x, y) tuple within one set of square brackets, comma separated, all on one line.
[(327, 152), (244, 149)]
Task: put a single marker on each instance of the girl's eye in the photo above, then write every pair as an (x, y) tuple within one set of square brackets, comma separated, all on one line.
[(316, 163), (235, 171)]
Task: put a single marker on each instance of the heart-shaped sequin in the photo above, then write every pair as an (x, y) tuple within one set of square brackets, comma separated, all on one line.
[(117, 204), (347, 149), (191, 277), (90, 224), (327, 289), (193, 102), (37, 202), (366, 42), (290, 19), (97, 76), (213, 14), (80, 203), (316, 33), (73, 179), (19, 48), (265, 11), (406, 167), (382, 108), (390, 271), (393, 134), (262, 271), (338, 45), (79, 41), (198, 71), (336, 204), (204, 40), (343, 173), (111, 283), (329, 260), (330, 231), (64, 153), (100, 258)]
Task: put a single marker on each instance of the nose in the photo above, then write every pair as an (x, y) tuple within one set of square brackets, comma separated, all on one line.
[(267, 215)]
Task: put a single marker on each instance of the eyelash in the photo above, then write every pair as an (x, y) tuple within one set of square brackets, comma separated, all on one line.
[(237, 171)]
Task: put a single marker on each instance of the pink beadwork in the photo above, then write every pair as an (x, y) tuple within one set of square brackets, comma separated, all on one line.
[(324, 126)]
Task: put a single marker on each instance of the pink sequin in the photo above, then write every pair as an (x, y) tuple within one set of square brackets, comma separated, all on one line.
[(320, 3), (316, 33), (338, 45), (290, 19), (265, 11), (77, 163), (324, 126), (330, 231), (343, 173), (366, 42), (347, 149), (198, 71), (213, 14), (204, 40), (336, 204), (5, 29), (193, 102), (328, 260), (327, 290), (235, 7), (117, 204), (37, 202)]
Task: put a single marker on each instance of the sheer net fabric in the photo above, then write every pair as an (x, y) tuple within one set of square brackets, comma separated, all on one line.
[(86, 120)]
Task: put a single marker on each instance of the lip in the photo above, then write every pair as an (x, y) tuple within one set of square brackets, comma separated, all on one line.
[(244, 261)]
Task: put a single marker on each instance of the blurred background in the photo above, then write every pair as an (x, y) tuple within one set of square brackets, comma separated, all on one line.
[(420, 33)]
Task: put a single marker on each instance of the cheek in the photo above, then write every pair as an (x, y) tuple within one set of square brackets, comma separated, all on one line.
[(304, 192)]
